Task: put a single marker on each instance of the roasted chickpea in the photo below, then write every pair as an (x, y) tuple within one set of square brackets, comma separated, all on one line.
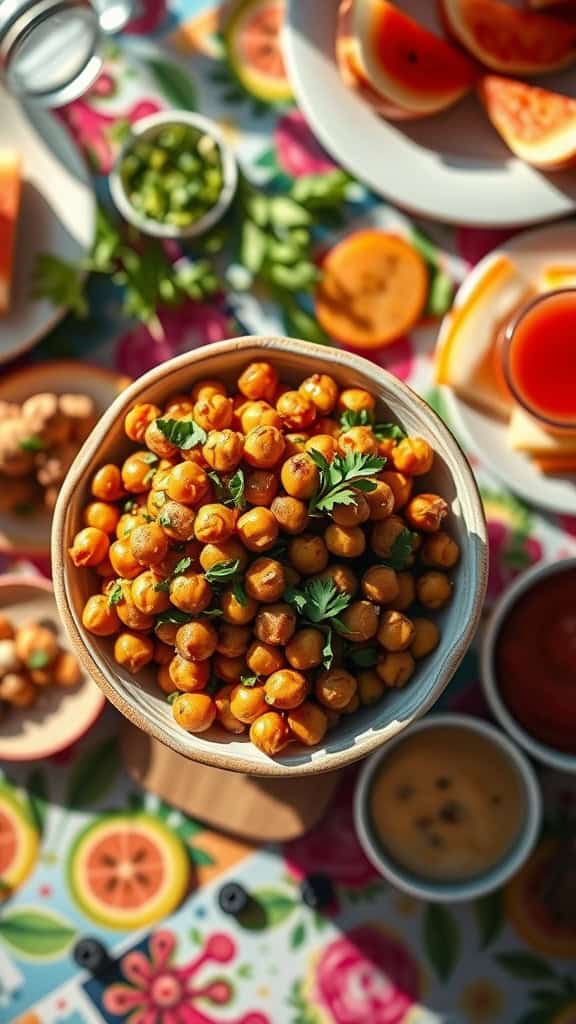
[(434, 589), (295, 443), (384, 534), (157, 442), (99, 617), (214, 413), (6, 628), (166, 632), (305, 649), (107, 483), (233, 641), (223, 449), (41, 676), (148, 544), (224, 551), (89, 547), (335, 688), (440, 551), (258, 414), (286, 689), (308, 554), (65, 670), (358, 439), (224, 716), (260, 487), (190, 592), (257, 529), (163, 653), (380, 584), (361, 620), (207, 389), (129, 614), (177, 521), (238, 613), (356, 399), (270, 733), (188, 676), (326, 425), (196, 640), (123, 561), (163, 679), (325, 444), (179, 406), (264, 447), (300, 477), (345, 541), (104, 569), (370, 687), (187, 483), (426, 637), (296, 410), (138, 419), (308, 723), (247, 702), (400, 485), (258, 380), (264, 659), (17, 689), (137, 472), (133, 651), (214, 523), (195, 712), (321, 390), (354, 514), (396, 668), (380, 501), (413, 456), (275, 624), (395, 632), (265, 580), (103, 516), (406, 592), (291, 514), (230, 670), (33, 639), (426, 512)]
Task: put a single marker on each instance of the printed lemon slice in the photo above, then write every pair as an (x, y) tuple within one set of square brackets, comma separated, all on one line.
[(18, 842), (128, 871)]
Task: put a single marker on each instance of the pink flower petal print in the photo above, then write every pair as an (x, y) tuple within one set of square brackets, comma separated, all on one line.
[(185, 327), (120, 999), (220, 947), (137, 969), (162, 945), (149, 17), (397, 358), (298, 151), (474, 243)]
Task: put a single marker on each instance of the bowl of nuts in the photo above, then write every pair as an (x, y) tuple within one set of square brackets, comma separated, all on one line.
[(270, 555)]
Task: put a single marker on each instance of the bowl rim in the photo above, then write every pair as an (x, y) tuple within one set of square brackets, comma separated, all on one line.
[(155, 228), (44, 584), (547, 755), (467, 889), (267, 346)]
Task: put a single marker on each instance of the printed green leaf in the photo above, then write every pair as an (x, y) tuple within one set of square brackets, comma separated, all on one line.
[(489, 911), (174, 83), (36, 934), (277, 906), (195, 936), (185, 434), (37, 798), (526, 966), (298, 935), (199, 857), (94, 775), (441, 938)]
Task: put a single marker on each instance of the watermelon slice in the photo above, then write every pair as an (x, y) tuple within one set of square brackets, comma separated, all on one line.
[(18, 842), (254, 51), (539, 126), (9, 207)]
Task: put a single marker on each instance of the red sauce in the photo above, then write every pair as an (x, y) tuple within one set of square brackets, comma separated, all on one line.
[(542, 358), (535, 660)]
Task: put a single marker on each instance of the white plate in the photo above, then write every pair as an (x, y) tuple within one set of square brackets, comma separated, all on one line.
[(57, 215), (452, 167), (486, 437)]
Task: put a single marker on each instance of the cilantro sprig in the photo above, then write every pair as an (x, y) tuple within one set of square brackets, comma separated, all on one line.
[(185, 434), (227, 572), (230, 492), (401, 550), (319, 602), (365, 418), (343, 476), (115, 593), (181, 566)]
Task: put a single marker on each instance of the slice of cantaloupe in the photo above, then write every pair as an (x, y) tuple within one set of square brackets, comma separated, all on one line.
[(9, 207), (465, 357)]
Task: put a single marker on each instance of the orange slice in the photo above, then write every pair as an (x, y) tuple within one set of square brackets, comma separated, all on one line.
[(9, 206), (373, 289)]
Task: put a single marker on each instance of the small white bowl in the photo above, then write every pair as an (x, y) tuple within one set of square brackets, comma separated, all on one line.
[(149, 127), (464, 889), (562, 761)]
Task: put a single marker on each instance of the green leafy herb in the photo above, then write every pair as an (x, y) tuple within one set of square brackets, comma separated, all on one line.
[(222, 572), (401, 550), (149, 458), (164, 519), (130, 505), (163, 586), (239, 593), (115, 593), (236, 486), (185, 434), (249, 680), (32, 443), (318, 600), (365, 418), (327, 650), (172, 696), (38, 659), (363, 657), (341, 477), (178, 569), (392, 430), (174, 617), (212, 611), (61, 282), (220, 489)]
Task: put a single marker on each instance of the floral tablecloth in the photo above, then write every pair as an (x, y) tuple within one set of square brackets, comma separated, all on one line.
[(376, 956)]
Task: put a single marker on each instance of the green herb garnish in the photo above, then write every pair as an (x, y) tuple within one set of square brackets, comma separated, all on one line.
[(401, 550), (249, 680), (38, 659), (115, 593), (222, 572), (171, 697), (317, 600), (363, 657), (164, 519), (231, 493), (178, 569), (185, 434), (343, 476), (365, 418), (32, 443), (174, 617), (239, 593)]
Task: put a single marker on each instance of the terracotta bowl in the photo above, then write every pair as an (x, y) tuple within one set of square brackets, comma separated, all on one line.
[(59, 716), (356, 735), (30, 534)]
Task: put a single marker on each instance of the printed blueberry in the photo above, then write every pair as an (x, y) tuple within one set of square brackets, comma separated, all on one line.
[(233, 899), (317, 891), (92, 956)]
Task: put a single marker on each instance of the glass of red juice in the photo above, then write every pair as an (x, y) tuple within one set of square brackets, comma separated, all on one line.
[(539, 359)]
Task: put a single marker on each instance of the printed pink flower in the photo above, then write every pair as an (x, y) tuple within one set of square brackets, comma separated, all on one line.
[(366, 977), (332, 846), (161, 993), (297, 149), (397, 358), (150, 15), (510, 554), (185, 327), (92, 129), (474, 243)]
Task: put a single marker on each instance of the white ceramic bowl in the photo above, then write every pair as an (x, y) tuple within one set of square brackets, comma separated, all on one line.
[(358, 734), (148, 127), (468, 889), (564, 762)]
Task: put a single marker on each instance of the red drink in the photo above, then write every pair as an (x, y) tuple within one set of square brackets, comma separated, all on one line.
[(540, 359)]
